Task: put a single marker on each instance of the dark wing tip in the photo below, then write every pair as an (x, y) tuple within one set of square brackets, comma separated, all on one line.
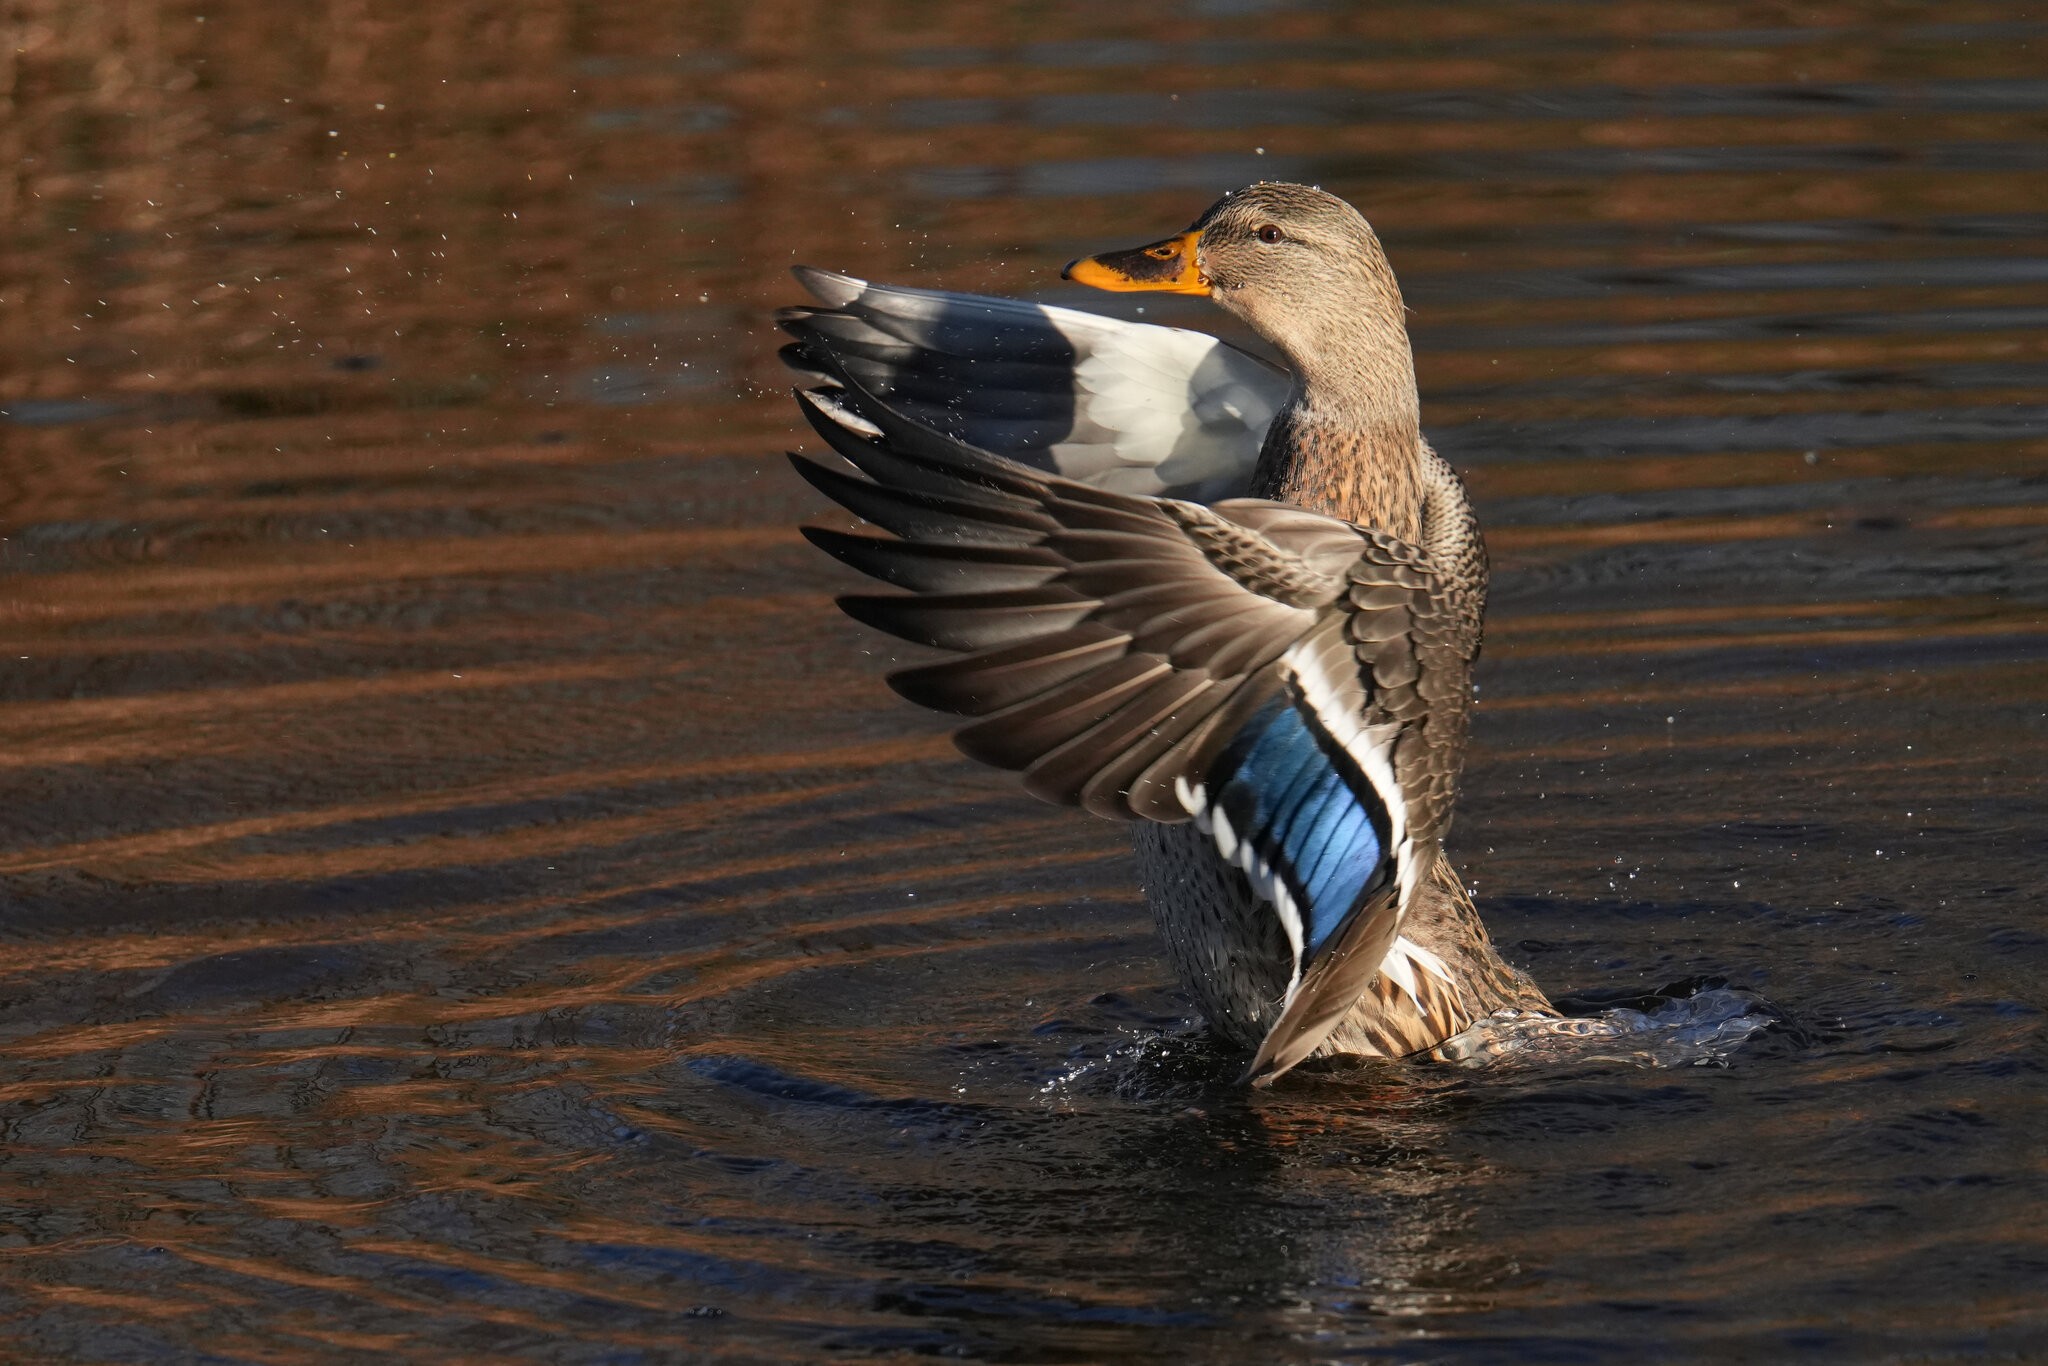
[(843, 546), (830, 287), (1266, 1067), (1259, 1075), (818, 475), (883, 613)]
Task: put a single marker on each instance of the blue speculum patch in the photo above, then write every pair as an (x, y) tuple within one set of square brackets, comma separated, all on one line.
[(1289, 788)]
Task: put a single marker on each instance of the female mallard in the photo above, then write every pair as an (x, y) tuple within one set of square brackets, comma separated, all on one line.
[(1274, 688)]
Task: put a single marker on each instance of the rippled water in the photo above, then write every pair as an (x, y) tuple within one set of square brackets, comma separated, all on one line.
[(465, 896)]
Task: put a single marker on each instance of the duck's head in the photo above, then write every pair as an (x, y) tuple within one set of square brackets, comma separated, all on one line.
[(1299, 264)]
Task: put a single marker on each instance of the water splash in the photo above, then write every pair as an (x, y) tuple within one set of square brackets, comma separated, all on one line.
[(1697, 1030)]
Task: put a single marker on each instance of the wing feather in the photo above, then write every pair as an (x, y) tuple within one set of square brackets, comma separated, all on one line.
[(1131, 406), (983, 683), (971, 621), (1135, 734), (924, 516), (939, 568), (1017, 735)]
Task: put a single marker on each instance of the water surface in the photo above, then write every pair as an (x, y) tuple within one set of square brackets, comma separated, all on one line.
[(464, 894)]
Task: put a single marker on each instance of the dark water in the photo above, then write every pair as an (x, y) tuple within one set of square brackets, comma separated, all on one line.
[(465, 896)]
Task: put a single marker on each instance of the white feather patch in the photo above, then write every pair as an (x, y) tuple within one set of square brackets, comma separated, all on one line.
[(1397, 968), (1226, 836), (1159, 394), (1404, 958)]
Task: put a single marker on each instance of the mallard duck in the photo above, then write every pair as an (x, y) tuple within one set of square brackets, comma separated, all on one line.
[(1235, 605)]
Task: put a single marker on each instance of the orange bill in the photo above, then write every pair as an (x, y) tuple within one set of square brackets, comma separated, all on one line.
[(1168, 267)]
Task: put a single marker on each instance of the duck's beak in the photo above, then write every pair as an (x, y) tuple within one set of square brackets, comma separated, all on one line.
[(1168, 267)]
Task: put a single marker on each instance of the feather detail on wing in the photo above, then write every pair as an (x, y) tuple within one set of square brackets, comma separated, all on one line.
[(1293, 684), (1120, 405)]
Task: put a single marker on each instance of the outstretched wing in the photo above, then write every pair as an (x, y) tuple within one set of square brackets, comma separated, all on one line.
[(1261, 670), (1119, 405)]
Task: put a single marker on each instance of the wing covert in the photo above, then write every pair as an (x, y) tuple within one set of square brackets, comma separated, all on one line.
[(1128, 406)]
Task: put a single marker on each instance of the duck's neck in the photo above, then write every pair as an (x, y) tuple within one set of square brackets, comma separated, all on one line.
[(1349, 441)]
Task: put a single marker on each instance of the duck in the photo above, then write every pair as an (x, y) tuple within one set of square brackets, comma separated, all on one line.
[(1232, 603)]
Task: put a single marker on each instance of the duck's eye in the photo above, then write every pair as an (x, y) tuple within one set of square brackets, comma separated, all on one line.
[(1269, 233)]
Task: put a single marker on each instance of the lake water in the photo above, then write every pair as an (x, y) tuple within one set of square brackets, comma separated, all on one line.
[(465, 895)]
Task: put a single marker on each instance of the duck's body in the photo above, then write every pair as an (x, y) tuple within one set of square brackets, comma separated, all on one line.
[(1348, 443), (1275, 688)]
